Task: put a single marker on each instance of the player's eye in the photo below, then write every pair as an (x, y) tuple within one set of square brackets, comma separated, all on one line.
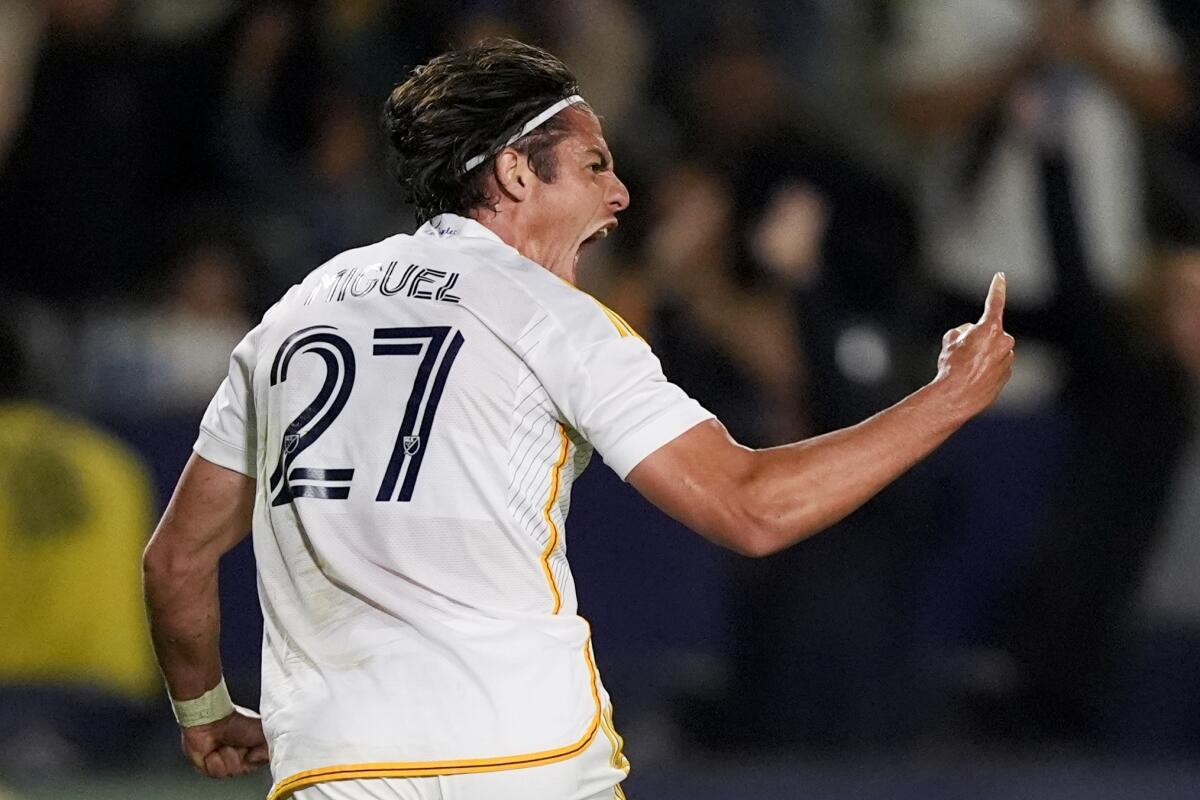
[(598, 166)]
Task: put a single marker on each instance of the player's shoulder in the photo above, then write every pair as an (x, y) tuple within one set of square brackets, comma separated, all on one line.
[(454, 264), (512, 294)]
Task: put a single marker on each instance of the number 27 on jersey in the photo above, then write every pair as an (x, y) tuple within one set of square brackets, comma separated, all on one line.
[(437, 346)]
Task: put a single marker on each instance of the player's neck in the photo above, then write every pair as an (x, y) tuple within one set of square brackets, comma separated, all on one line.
[(557, 254)]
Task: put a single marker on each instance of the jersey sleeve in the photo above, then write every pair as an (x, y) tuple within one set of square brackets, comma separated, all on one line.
[(607, 383), (228, 431)]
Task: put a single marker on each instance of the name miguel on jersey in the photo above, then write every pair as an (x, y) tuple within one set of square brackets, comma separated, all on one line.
[(422, 283)]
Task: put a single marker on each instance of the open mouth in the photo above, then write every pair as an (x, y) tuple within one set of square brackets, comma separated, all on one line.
[(601, 233)]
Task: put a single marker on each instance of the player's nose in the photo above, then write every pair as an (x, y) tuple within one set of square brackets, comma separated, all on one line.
[(618, 196)]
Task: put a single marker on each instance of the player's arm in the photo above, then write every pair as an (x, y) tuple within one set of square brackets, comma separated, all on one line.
[(758, 502), (208, 515)]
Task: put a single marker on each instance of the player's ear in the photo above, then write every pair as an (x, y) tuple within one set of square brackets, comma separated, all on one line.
[(513, 174)]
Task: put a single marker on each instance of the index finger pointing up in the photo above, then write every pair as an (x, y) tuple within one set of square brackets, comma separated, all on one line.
[(993, 306)]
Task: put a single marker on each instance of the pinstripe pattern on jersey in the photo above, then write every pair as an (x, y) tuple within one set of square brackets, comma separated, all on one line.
[(415, 769), (539, 483), (533, 447), (541, 472)]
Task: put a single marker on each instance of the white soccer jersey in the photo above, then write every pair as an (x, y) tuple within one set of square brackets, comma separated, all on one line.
[(415, 412)]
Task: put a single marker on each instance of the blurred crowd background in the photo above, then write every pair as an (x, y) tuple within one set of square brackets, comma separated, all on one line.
[(820, 189)]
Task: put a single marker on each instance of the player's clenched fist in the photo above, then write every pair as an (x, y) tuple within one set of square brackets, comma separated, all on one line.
[(976, 359), (227, 748)]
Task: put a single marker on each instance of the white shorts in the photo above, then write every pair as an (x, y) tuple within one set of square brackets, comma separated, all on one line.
[(594, 774)]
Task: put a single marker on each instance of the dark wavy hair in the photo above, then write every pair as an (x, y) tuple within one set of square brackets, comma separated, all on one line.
[(469, 102)]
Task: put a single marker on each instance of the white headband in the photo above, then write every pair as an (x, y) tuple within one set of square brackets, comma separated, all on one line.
[(475, 161)]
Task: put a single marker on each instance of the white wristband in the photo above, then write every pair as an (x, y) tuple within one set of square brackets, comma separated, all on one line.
[(209, 707)]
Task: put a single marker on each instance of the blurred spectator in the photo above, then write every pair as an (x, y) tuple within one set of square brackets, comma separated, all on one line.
[(311, 189), (770, 278), (89, 167), (777, 265), (607, 46), (170, 21), (605, 42), (267, 109), (342, 198), (1030, 115), (1009, 94), (1173, 593), (824, 49), (1163, 708), (828, 50), (734, 347), (19, 38), (741, 121), (374, 43), (75, 513), (171, 357), (1174, 153)]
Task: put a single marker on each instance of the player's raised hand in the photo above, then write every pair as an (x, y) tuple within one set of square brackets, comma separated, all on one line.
[(993, 304), (976, 359), (228, 747)]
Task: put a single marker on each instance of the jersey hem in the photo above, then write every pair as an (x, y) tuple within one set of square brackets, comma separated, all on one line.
[(285, 788), (222, 453), (639, 443)]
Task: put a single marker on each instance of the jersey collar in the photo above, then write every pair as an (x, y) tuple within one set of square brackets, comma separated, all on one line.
[(446, 225)]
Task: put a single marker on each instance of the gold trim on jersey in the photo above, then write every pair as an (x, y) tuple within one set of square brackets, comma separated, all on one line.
[(618, 760), (623, 327), (420, 769), (555, 486)]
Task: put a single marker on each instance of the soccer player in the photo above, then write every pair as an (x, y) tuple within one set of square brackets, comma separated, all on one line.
[(401, 432)]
